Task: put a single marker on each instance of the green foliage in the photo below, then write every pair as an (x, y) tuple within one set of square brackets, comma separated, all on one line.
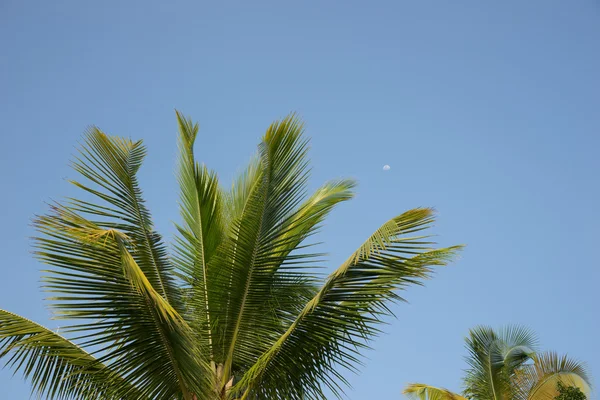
[(494, 357), (505, 365), (569, 392), (236, 310)]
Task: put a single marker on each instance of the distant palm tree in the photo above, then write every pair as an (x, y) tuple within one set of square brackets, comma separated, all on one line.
[(505, 366), (236, 311)]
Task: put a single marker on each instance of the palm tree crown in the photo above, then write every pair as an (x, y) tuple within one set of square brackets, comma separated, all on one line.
[(235, 310), (505, 365)]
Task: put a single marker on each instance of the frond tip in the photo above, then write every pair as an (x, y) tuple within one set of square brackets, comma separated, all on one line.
[(420, 391)]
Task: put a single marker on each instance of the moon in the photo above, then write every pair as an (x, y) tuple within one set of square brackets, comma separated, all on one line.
[(386, 167)]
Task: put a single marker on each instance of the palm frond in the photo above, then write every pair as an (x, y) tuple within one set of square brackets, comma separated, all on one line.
[(307, 218), (57, 367), (201, 207), (111, 276), (538, 381), (110, 165), (249, 262), (420, 391), (242, 188), (517, 344), (344, 314), (493, 359)]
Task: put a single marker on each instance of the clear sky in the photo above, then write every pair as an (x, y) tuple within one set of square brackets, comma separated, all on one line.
[(488, 111)]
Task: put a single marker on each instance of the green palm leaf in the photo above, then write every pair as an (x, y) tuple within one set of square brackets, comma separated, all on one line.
[(110, 165), (344, 314), (250, 260), (493, 359), (201, 204), (116, 289), (57, 367)]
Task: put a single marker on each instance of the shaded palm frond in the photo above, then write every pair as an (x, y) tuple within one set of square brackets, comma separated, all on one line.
[(252, 259), (56, 367), (493, 359), (200, 235)]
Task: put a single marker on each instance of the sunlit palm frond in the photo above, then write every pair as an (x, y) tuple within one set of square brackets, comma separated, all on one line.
[(420, 391), (110, 165), (344, 314), (538, 381), (505, 365), (108, 275)]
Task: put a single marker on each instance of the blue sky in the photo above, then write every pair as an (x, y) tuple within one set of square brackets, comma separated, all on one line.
[(487, 111)]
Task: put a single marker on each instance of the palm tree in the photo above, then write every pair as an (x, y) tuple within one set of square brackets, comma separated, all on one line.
[(236, 310), (505, 365)]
